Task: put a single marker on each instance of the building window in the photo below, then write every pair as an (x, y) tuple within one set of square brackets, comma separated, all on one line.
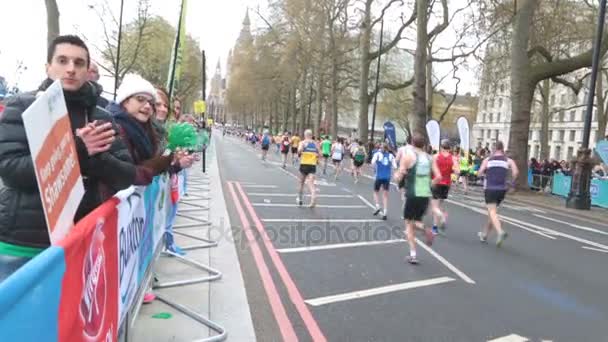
[(489, 133), (558, 153), (572, 135), (550, 135), (499, 103), (502, 88), (562, 135), (570, 153), (491, 117), (572, 116), (530, 135), (497, 117), (553, 99), (562, 115), (537, 151), (484, 117), (481, 133), (492, 103), (562, 99), (485, 104), (497, 134)]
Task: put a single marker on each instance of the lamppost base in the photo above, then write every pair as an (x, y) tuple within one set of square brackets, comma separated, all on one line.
[(580, 202)]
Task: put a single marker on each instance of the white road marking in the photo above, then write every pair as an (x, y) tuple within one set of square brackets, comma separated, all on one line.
[(338, 245), (593, 230), (377, 291), (510, 338), (441, 259), (260, 186), (366, 202), (322, 220), (544, 230), (595, 249), (264, 194), (288, 205)]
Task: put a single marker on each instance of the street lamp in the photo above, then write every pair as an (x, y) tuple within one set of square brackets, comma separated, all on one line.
[(579, 197)]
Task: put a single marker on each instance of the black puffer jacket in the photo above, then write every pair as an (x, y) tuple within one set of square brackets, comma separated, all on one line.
[(21, 216)]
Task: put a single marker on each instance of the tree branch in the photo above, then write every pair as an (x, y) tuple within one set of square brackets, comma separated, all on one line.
[(446, 17), (395, 40)]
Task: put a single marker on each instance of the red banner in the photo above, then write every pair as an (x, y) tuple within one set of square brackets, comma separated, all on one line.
[(88, 309)]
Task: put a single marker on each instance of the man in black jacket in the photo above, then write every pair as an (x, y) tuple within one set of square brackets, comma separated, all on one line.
[(105, 163)]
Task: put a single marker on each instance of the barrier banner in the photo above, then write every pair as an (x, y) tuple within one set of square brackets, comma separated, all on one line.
[(598, 189), (601, 148), (82, 288), (434, 133), (390, 135), (463, 132), (561, 184)]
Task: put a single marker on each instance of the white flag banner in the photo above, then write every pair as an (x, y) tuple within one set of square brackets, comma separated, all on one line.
[(463, 131), (433, 131)]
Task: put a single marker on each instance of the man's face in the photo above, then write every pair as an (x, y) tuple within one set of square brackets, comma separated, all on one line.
[(93, 73), (69, 64)]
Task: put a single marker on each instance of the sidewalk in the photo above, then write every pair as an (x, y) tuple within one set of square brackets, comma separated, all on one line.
[(223, 301)]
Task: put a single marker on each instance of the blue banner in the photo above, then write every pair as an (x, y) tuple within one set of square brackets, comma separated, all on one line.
[(390, 135), (561, 184), (601, 148), (598, 189)]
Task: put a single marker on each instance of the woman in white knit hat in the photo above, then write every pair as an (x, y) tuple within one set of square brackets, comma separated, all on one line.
[(133, 111)]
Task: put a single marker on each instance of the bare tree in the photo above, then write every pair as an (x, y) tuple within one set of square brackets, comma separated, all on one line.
[(52, 20)]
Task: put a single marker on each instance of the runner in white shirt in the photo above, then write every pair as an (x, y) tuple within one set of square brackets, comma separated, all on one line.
[(337, 155)]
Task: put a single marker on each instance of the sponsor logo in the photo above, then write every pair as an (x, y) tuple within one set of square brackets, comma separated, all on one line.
[(94, 293), (594, 190)]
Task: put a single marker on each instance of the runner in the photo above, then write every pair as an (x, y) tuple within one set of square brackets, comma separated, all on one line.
[(445, 163), (496, 167), (285, 149), (417, 167), (278, 139), (402, 152), (384, 163), (337, 155), (464, 170), (358, 159), (295, 143), (326, 150), (309, 149), (266, 140), (352, 148)]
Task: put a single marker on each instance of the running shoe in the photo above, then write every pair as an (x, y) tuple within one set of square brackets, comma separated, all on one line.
[(501, 238), (435, 230), (313, 203), (429, 236), (149, 298), (412, 260), (482, 238), (299, 201)]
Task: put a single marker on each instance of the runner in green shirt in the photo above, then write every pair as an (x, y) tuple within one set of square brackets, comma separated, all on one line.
[(325, 150)]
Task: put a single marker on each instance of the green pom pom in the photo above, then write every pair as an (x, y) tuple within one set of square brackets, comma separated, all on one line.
[(183, 135)]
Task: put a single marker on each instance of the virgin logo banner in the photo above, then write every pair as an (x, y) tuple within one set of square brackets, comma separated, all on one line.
[(81, 288)]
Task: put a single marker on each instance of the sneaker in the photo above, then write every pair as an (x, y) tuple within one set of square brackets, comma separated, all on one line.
[(443, 220), (482, 238), (429, 236), (384, 217), (435, 230), (149, 298), (501, 238), (411, 259), (299, 201), (313, 203)]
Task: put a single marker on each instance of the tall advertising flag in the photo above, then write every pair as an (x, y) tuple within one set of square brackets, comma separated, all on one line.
[(433, 131), (175, 69), (602, 150), (463, 131), (389, 135)]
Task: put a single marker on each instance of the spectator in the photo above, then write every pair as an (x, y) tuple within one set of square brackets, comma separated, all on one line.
[(546, 173), (133, 110), (93, 76), (599, 171), (105, 163)]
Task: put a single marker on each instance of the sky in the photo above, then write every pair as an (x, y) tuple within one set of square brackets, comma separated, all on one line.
[(216, 23)]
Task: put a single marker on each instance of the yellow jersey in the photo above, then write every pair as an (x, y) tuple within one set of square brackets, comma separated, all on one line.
[(310, 153), (295, 142)]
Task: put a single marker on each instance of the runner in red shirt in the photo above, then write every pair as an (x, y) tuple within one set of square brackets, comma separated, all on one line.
[(445, 163)]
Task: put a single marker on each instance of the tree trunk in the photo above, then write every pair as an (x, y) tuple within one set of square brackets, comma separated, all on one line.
[(294, 110), (429, 88), (52, 20), (308, 115), (364, 44), (601, 108), (522, 88), (317, 123), (333, 91), (544, 120), (303, 97), (417, 118)]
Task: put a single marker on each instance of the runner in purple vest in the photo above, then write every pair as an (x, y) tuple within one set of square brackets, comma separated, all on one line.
[(496, 170)]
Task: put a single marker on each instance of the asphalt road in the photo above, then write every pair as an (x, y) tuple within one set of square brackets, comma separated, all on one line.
[(337, 273)]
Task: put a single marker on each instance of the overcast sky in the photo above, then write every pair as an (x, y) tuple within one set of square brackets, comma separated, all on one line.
[(216, 23)]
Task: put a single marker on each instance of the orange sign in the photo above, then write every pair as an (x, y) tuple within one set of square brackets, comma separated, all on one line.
[(51, 142)]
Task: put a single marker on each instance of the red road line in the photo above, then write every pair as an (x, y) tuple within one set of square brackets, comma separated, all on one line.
[(276, 305), (294, 294)]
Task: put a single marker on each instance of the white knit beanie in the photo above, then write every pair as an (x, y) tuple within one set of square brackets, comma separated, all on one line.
[(134, 84)]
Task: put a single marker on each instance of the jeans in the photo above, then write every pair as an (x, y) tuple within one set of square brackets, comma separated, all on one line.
[(9, 264), (169, 239)]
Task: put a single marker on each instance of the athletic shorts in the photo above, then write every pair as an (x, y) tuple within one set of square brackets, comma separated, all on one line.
[(336, 160), (265, 147), (415, 208), (325, 155), (464, 173), (382, 183), (285, 151), (358, 163), (495, 196), (440, 191), (294, 150), (308, 169), (401, 184)]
